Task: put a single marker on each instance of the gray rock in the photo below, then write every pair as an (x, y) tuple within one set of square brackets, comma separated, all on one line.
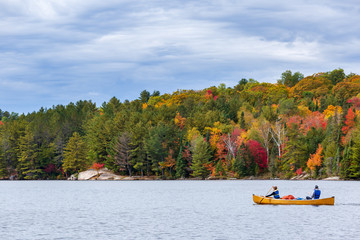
[(88, 174), (108, 176), (332, 178), (103, 174)]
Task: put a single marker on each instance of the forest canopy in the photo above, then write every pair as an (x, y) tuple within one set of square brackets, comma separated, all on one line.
[(299, 124)]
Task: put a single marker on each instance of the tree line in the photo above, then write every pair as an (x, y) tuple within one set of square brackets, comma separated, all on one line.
[(299, 124)]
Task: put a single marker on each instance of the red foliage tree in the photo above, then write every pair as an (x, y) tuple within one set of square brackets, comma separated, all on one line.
[(314, 120), (349, 122), (349, 126), (97, 166), (355, 102), (299, 171), (294, 121), (258, 153)]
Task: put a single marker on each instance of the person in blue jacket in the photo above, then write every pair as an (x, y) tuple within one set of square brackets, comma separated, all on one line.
[(316, 194), (275, 193)]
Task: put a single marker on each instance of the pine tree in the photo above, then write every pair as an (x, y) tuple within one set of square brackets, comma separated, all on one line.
[(75, 155), (180, 164), (201, 156), (240, 161), (296, 152), (242, 120), (345, 162), (3, 166), (354, 168), (28, 166)]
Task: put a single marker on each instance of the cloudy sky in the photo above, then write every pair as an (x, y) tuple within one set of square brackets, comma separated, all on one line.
[(60, 51)]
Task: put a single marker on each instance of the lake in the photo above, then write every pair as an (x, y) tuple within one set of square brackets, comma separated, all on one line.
[(174, 210)]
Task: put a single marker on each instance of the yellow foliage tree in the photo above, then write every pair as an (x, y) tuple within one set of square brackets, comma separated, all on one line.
[(330, 111), (303, 111), (192, 134), (215, 133)]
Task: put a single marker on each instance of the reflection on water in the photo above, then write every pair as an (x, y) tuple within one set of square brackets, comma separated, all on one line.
[(173, 210)]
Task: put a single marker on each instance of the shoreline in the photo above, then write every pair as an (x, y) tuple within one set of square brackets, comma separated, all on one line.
[(155, 178)]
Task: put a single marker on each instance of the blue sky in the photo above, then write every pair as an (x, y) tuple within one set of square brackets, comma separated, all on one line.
[(56, 52)]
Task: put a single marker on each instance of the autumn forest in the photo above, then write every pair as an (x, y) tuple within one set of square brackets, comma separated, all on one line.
[(264, 130)]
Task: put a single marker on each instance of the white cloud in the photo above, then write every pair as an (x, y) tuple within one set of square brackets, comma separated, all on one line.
[(68, 47)]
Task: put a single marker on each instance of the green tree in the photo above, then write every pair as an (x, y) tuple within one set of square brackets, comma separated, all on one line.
[(157, 145), (289, 79), (354, 168), (201, 157), (144, 96), (181, 163), (242, 121), (335, 76), (296, 152), (75, 155), (28, 166), (287, 107)]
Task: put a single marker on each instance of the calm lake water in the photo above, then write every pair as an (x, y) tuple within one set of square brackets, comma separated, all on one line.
[(173, 210)]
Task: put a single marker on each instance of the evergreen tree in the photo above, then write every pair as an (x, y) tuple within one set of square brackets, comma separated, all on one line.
[(242, 120), (28, 166), (75, 155), (354, 168), (345, 162), (201, 157), (181, 163), (3, 166), (296, 152), (138, 155), (144, 96)]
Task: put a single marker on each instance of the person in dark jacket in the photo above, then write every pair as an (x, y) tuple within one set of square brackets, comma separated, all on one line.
[(316, 194), (275, 193)]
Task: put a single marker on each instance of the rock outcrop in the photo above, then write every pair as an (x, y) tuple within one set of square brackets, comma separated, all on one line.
[(88, 174), (302, 176), (106, 174), (102, 174), (332, 178)]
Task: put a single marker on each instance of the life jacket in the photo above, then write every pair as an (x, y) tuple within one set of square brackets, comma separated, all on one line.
[(277, 196), (317, 193)]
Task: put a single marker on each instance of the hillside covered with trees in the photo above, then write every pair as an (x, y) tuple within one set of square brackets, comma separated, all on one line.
[(252, 129)]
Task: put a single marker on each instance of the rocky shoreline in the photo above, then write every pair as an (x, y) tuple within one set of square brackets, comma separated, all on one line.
[(105, 174)]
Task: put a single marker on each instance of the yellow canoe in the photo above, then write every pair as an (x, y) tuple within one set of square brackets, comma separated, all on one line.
[(270, 200)]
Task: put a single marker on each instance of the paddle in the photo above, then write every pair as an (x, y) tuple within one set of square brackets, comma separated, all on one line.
[(266, 194)]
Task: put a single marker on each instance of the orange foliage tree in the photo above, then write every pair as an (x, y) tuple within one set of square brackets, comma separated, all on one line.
[(179, 121), (169, 161), (315, 159)]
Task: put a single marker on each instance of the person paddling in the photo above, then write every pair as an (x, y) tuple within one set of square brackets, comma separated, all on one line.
[(316, 194), (275, 193)]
